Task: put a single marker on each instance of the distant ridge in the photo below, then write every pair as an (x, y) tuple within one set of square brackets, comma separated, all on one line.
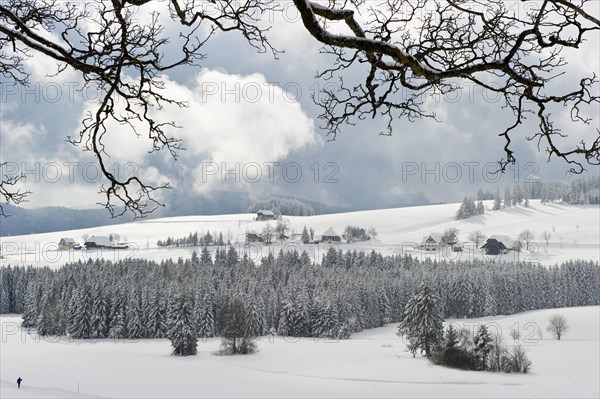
[(23, 221)]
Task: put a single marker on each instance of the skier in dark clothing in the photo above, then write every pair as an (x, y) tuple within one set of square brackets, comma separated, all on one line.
[(19, 382)]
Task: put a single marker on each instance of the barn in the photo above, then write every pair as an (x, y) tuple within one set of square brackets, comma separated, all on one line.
[(99, 242), (498, 245), (68, 243), (265, 215), (331, 236), (253, 236)]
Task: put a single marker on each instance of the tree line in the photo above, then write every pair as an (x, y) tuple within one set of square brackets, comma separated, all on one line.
[(283, 206), (194, 240), (580, 191), (287, 294)]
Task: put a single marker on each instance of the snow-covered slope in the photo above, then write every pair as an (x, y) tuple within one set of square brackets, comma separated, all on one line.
[(575, 233), (372, 363)]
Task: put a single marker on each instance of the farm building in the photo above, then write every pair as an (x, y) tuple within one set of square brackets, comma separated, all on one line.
[(265, 215), (103, 242), (253, 236), (497, 245), (331, 236), (432, 242), (68, 243)]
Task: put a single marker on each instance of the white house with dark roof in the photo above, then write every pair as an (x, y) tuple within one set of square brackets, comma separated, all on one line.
[(432, 242), (331, 236)]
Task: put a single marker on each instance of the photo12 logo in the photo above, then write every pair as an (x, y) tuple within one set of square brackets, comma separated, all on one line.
[(454, 172), (254, 172), (68, 171)]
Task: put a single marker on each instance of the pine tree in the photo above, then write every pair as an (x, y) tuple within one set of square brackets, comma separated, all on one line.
[(517, 195), (507, 197), (30, 314), (450, 338), (255, 321), (47, 323), (422, 324), (305, 236), (482, 345), (157, 317), (384, 307), (205, 258), (464, 211), (497, 201), (323, 320), (117, 327), (182, 326), (206, 318), (480, 208), (4, 292), (81, 312), (133, 313), (232, 257), (237, 337), (100, 315)]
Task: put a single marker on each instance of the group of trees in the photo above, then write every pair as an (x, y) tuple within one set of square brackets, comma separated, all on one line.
[(194, 240), (283, 206), (579, 191), (355, 233), (308, 235), (288, 293), (423, 328), (468, 208)]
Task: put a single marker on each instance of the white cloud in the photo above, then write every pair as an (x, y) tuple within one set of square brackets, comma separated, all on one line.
[(237, 119), (230, 119)]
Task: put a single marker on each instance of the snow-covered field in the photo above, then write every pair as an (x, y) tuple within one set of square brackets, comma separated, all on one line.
[(575, 234), (373, 363)]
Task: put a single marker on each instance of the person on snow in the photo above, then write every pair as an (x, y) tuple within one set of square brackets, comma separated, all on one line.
[(19, 382)]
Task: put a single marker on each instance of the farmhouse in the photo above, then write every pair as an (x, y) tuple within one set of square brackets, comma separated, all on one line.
[(253, 236), (498, 244), (331, 236), (68, 243), (432, 242), (265, 215), (102, 242)]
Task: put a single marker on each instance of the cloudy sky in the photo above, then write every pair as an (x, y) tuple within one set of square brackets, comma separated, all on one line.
[(252, 128)]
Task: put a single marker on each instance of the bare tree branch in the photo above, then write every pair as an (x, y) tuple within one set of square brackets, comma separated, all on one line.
[(407, 51), (8, 190), (123, 59), (427, 47)]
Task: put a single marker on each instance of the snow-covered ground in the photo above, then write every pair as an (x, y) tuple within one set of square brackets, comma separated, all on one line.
[(372, 363), (575, 234)]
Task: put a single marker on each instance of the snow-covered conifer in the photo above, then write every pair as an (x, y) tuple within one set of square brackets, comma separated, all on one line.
[(422, 324)]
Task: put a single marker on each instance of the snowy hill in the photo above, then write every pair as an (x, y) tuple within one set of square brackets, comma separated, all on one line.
[(372, 363), (575, 233)]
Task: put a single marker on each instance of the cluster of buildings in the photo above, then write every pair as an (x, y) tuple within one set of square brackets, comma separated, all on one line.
[(494, 245), (93, 242), (329, 236)]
